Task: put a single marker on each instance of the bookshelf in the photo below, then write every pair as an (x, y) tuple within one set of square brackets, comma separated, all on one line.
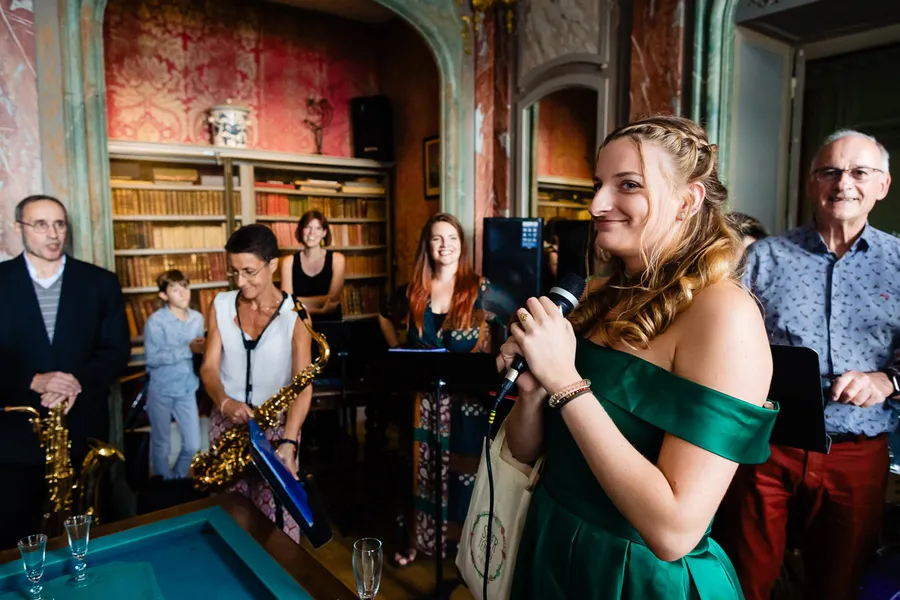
[(174, 206), (563, 197)]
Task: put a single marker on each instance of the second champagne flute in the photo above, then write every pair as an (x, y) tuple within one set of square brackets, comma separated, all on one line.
[(78, 528), (367, 559)]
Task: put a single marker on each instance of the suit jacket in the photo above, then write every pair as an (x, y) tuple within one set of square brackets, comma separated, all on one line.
[(91, 342)]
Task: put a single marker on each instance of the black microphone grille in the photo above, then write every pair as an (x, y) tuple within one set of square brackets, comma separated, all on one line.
[(569, 286)]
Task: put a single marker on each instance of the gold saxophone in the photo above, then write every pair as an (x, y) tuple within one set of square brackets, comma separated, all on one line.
[(67, 495), (230, 454)]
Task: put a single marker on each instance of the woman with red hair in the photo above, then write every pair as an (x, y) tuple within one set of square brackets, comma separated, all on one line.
[(445, 311)]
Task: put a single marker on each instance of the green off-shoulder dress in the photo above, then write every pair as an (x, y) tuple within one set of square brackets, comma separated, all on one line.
[(575, 543)]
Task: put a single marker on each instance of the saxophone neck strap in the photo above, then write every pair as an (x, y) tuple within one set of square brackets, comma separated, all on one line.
[(250, 344)]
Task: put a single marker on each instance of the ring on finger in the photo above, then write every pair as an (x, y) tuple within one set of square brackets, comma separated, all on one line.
[(524, 316)]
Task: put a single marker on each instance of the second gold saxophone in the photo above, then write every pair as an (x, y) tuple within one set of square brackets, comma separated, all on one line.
[(67, 495), (229, 456)]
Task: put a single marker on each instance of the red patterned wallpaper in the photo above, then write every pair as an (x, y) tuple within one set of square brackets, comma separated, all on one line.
[(168, 61), (567, 120), (416, 108), (20, 144)]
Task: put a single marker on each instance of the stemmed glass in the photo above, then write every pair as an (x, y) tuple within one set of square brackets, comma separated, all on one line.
[(33, 549), (367, 560), (78, 529)]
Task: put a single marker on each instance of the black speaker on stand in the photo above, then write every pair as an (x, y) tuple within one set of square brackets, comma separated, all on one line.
[(513, 254), (372, 120)]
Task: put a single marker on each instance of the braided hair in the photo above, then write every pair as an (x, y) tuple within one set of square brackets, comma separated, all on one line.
[(705, 250)]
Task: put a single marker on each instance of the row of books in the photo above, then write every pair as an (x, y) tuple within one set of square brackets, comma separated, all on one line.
[(362, 264), (276, 205), (138, 308), (142, 271), (169, 202), (361, 299), (342, 235), (141, 235)]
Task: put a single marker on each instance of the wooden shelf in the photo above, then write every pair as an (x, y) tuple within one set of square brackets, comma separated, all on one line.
[(166, 187), (292, 219), (194, 286), (125, 149), (288, 192), (565, 183), (361, 317), (159, 251), (337, 248), (564, 204), (372, 276), (173, 218)]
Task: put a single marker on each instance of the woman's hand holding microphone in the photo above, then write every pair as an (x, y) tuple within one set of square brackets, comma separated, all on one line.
[(547, 341)]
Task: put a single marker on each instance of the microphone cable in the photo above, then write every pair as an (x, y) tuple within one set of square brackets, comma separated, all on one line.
[(566, 294)]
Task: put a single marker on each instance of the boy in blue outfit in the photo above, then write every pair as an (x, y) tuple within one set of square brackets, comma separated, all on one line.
[(172, 335)]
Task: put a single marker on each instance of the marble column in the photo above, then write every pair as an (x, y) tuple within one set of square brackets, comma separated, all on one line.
[(20, 145), (492, 114), (657, 57)]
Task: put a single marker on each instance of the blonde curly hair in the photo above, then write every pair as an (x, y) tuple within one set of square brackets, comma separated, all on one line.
[(705, 251)]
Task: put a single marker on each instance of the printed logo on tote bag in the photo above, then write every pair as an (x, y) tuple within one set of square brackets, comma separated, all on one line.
[(478, 545)]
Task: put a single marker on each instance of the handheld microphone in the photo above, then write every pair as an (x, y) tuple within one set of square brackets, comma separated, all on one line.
[(565, 295)]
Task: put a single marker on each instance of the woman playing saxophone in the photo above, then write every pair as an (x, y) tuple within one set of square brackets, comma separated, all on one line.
[(255, 346)]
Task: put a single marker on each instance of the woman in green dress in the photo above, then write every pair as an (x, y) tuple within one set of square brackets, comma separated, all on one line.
[(638, 459)]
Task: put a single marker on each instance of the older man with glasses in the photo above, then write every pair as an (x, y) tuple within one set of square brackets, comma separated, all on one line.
[(63, 338), (832, 285)]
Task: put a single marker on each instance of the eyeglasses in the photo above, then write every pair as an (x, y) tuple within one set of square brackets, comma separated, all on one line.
[(44, 226), (245, 273), (832, 174)]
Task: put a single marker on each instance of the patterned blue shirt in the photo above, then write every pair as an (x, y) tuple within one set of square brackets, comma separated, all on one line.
[(847, 310), (170, 361)]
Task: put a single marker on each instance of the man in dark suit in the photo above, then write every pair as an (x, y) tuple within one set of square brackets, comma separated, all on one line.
[(63, 338)]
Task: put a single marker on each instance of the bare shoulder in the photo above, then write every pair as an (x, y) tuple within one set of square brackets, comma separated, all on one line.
[(721, 342), (338, 258), (287, 262)]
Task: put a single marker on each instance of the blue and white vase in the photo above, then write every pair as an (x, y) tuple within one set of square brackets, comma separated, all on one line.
[(229, 125)]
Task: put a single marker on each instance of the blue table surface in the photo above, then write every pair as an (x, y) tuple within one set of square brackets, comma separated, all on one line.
[(192, 557)]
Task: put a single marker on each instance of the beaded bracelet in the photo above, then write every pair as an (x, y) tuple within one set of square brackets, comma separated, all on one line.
[(566, 399), (568, 392)]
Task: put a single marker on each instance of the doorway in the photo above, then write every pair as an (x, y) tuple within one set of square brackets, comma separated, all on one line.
[(800, 73)]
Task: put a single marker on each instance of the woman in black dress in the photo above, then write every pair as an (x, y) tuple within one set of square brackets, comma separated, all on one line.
[(315, 275)]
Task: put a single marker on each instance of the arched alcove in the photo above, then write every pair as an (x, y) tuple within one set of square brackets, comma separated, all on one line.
[(71, 87)]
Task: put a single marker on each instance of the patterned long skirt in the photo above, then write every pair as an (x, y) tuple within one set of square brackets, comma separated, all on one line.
[(250, 483), (466, 418)]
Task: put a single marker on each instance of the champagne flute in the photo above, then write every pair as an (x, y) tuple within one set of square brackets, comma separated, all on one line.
[(367, 560), (78, 529), (33, 549)]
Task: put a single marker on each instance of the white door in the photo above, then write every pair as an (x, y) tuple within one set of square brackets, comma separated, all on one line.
[(760, 153)]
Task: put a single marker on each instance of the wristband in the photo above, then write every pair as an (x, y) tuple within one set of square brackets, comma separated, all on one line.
[(282, 441), (222, 406)]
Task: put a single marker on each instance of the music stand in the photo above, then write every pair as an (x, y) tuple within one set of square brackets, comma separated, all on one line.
[(414, 370), (297, 497), (797, 387)]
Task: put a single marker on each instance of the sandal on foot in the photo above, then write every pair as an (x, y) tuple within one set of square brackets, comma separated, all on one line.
[(400, 560)]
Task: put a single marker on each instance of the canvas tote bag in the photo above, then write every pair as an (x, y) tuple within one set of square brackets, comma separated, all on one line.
[(513, 485)]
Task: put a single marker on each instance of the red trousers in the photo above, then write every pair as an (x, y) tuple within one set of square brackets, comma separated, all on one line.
[(836, 504)]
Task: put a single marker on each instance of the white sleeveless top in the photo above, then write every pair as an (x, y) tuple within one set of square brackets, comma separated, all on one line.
[(270, 361)]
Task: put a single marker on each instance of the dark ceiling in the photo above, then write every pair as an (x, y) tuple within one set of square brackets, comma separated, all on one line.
[(821, 19)]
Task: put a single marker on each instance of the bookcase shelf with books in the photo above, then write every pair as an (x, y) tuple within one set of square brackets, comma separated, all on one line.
[(174, 208), (356, 203), (563, 197), (169, 212)]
